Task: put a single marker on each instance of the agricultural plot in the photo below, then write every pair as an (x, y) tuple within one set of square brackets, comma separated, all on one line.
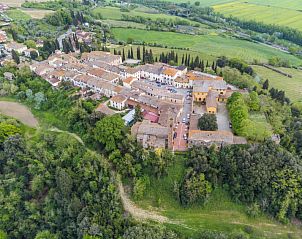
[(278, 13), (114, 13), (124, 24), (36, 13), (17, 15), (291, 86), (212, 45), (17, 3)]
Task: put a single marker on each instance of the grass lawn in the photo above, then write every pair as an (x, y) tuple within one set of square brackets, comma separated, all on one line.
[(212, 44), (285, 13), (124, 24), (114, 13), (220, 213), (17, 15), (291, 86)]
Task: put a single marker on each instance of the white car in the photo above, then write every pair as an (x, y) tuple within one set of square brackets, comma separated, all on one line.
[(184, 120)]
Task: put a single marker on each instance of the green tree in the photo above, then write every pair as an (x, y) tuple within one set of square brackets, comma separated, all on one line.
[(138, 116), (109, 131), (194, 188), (15, 57), (46, 235), (208, 122)]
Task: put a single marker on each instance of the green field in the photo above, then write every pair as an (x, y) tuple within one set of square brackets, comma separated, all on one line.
[(17, 15), (291, 86), (220, 212), (203, 3), (114, 13), (123, 24), (212, 45), (285, 13)]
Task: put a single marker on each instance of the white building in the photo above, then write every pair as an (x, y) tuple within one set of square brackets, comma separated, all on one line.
[(118, 102)]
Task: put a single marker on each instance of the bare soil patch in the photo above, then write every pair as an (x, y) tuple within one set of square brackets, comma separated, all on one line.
[(36, 13), (17, 3), (20, 112)]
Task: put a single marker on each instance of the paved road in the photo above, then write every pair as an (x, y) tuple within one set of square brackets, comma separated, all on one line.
[(179, 143)]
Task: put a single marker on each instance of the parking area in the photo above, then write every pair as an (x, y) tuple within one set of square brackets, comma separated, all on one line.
[(223, 118), (222, 115)]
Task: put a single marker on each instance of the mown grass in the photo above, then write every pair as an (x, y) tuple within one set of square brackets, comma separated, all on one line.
[(124, 24), (212, 45), (291, 86), (284, 13), (220, 213), (18, 15), (115, 13)]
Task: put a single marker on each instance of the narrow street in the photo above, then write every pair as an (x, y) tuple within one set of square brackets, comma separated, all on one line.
[(182, 125)]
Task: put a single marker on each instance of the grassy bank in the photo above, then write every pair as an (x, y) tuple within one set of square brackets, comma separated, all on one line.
[(212, 45), (220, 212), (291, 86)]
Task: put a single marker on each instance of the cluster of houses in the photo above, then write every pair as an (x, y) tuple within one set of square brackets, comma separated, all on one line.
[(103, 74)]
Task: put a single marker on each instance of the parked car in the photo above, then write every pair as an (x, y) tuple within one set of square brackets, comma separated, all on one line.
[(230, 125), (184, 120)]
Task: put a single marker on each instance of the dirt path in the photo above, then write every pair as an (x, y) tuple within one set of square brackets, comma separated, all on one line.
[(20, 112), (139, 213)]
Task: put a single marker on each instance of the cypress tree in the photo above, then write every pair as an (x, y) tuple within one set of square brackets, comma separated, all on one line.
[(123, 56), (183, 59), (15, 57), (138, 53), (131, 53)]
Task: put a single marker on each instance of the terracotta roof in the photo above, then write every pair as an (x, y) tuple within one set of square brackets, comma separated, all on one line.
[(118, 98), (129, 80), (211, 99), (182, 79), (118, 89), (96, 72), (170, 71)]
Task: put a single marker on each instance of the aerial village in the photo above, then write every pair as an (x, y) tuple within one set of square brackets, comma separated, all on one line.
[(171, 98)]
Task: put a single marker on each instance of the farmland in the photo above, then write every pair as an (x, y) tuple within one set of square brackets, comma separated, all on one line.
[(18, 15), (114, 13), (291, 86), (263, 13), (212, 45), (36, 13), (16, 3)]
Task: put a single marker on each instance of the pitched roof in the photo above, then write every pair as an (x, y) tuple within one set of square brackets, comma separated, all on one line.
[(170, 71), (118, 98), (129, 80), (148, 128), (211, 136)]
